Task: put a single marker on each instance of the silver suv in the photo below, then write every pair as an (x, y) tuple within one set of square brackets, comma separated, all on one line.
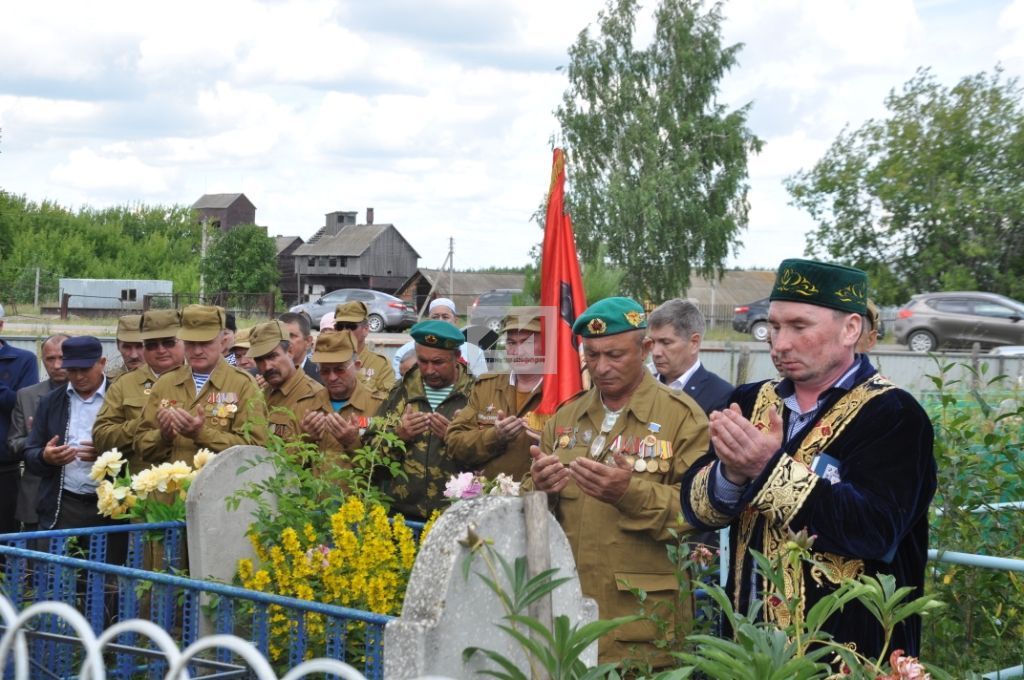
[(959, 319)]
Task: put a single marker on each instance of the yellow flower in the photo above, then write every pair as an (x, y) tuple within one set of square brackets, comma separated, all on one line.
[(106, 504), (110, 463), (245, 570), (145, 482), (310, 533), (202, 457), (290, 541), (353, 510)]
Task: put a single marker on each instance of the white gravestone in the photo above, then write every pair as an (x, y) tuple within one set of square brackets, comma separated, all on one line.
[(444, 613), (216, 535)]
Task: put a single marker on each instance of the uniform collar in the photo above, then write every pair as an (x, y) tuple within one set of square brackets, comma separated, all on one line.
[(289, 386), (641, 402)]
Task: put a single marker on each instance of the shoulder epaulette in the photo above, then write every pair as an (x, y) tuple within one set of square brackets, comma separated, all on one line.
[(572, 398)]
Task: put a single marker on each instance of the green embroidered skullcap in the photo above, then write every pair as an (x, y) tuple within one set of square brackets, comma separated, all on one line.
[(610, 316), (823, 284), (265, 337), (440, 334)]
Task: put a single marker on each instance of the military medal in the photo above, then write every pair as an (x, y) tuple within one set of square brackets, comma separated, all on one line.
[(563, 441), (652, 465), (640, 465), (587, 436)]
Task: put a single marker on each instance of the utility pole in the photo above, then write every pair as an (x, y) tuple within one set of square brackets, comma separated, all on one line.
[(451, 267), (35, 298), (202, 259)]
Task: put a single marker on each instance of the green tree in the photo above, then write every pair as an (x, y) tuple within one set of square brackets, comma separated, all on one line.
[(657, 167), (241, 260), (930, 197)]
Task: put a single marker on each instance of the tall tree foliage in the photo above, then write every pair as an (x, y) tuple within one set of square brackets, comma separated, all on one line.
[(930, 197), (657, 167), (143, 242), (241, 260)]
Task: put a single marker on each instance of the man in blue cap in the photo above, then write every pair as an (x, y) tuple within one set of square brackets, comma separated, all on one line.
[(611, 460), (425, 402), (60, 447), (830, 448)]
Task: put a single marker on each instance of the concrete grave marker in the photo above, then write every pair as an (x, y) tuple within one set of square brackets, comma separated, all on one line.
[(444, 613), (216, 535)]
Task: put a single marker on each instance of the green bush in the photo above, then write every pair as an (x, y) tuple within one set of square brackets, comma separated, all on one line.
[(978, 433)]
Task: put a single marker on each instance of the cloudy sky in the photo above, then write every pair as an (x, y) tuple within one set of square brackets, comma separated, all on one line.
[(437, 113)]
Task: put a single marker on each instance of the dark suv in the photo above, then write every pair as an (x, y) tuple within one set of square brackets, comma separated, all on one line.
[(752, 318), (489, 308), (959, 319)]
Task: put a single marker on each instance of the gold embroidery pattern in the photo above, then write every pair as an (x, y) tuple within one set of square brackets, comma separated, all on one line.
[(701, 502), (794, 282), (835, 568), (850, 293), (788, 486), (827, 429), (747, 520)]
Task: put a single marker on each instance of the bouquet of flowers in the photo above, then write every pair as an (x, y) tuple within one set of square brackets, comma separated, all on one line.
[(466, 485), (156, 494)]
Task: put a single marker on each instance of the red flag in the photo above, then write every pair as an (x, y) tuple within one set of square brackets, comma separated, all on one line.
[(561, 287)]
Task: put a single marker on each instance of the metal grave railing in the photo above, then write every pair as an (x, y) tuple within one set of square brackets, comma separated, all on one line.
[(71, 566)]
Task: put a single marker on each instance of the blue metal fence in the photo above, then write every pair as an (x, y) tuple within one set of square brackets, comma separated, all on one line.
[(71, 566)]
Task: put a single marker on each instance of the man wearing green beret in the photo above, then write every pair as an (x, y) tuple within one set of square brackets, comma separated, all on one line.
[(495, 430), (126, 398), (830, 448), (374, 370), (424, 403), (207, 403), (290, 392), (611, 460)]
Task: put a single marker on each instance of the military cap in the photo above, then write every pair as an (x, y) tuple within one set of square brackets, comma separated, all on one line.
[(160, 323), (874, 315), (81, 351), (242, 338), (515, 322), (821, 283), (265, 337), (334, 348), (201, 323), (610, 316), (350, 312), (128, 328), (440, 334)]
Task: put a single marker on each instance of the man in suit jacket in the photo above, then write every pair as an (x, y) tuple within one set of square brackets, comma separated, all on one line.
[(674, 332)]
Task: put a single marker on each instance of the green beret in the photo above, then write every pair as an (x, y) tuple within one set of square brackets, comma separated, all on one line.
[(610, 316), (823, 284), (440, 334)]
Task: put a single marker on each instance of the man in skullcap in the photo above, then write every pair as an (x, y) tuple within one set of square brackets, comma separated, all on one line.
[(830, 448)]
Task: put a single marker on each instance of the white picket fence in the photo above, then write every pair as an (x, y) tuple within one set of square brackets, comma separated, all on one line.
[(17, 628)]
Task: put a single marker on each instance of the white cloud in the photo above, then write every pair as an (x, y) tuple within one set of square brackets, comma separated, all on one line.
[(88, 170)]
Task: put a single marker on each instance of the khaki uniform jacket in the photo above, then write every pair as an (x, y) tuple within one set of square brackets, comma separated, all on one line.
[(364, 405), (424, 461), (472, 442), (287, 404), (623, 545), (230, 400), (375, 373), (121, 413)]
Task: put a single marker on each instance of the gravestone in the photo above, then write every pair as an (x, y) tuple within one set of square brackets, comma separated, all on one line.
[(216, 535), (444, 613)]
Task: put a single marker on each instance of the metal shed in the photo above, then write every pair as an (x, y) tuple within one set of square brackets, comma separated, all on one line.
[(111, 294)]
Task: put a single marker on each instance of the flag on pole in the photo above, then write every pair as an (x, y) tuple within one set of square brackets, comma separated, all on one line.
[(561, 288)]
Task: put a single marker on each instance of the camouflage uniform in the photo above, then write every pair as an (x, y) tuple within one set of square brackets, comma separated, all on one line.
[(424, 460)]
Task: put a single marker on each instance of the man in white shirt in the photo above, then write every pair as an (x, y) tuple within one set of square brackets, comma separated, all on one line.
[(675, 330), (60, 447)]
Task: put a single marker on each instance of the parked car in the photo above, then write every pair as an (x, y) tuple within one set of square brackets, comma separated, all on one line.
[(489, 308), (386, 312), (752, 318), (959, 319)]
